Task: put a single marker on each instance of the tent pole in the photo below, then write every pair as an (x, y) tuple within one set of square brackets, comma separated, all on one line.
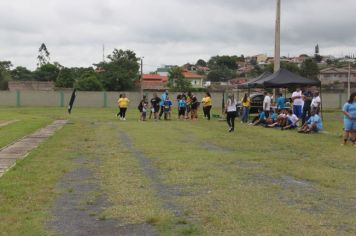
[(321, 103)]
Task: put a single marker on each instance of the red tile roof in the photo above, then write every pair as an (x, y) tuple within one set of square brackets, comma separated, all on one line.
[(154, 77), (191, 75)]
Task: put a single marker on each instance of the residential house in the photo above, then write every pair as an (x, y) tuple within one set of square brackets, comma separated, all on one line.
[(336, 75), (164, 70), (237, 81), (154, 82), (195, 79)]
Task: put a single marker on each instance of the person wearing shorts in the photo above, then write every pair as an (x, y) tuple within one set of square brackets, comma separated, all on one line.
[(155, 105), (292, 121), (182, 106), (349, 111), (313, 124)]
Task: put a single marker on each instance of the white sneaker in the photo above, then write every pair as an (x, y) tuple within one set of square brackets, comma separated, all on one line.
[(123, 118)]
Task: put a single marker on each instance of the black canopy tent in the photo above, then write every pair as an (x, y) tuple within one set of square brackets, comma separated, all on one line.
[(286, 79), (281, 79), (256, 82)]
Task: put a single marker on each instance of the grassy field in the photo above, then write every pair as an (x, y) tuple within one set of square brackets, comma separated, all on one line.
[(184, 177)]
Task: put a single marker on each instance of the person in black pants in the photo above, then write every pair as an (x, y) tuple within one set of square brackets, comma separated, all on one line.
[(307, 97), (230, 112)]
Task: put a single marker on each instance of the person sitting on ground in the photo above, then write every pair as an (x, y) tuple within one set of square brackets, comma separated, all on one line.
[(271, 119), (280, 119), (292, 121), (313, 124), (167, 105), (260, 119)]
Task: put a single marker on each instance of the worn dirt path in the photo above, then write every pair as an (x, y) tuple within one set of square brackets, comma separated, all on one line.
[(20, 149)]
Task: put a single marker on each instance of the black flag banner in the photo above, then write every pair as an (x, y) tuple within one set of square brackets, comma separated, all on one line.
[(71, 102)]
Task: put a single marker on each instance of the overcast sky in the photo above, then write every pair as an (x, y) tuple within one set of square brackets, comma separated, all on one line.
[(171, 31)]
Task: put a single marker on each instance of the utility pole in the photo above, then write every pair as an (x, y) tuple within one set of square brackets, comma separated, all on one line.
[(141, 78), (349, 81), (277, 46), (277, 43), (103, 52)]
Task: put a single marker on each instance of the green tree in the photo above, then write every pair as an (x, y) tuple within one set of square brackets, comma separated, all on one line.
[(309, 69), (120, 72), (46, 72), (43, 55), (318, 58), (65, 78), (89, 82), (223, 62), (21, 73), (176, 80), (5, 74), (201, 62), (292, 67), (222, 68)]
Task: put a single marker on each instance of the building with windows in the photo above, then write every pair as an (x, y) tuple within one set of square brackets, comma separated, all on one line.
[(336, 75), (195, 79)]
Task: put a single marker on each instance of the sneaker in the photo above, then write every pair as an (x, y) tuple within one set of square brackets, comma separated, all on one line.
[(123, 118)]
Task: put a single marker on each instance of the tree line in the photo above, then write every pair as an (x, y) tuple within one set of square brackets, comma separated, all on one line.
[(121, 71), (118, 72)]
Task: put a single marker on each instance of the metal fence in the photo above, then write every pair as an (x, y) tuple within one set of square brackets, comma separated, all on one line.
[(109, 99)]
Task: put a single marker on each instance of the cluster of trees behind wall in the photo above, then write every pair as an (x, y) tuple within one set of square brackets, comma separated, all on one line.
[(119, 72)]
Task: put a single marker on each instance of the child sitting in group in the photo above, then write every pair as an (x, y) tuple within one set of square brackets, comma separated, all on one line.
[(281, 119), (260, 119), (313, 124), (167, 104), (292, 121), (182, 106), (271, 119)]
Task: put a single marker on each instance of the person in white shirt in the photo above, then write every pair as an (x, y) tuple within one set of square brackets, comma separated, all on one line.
[(315, 104), (230, 109), (267, 104), (298, 102), (292, 121)]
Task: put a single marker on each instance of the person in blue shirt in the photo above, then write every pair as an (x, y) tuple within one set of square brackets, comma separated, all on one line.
[(313, 124), (167, 107), (349, 111), (161, 104), (182, 107), (281, 102), (260, 119)]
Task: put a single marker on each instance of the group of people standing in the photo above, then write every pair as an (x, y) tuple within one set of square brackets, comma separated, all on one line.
[(161, 106), (304, 107)]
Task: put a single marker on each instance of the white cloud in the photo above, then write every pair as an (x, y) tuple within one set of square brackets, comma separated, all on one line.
[(170, 32)]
